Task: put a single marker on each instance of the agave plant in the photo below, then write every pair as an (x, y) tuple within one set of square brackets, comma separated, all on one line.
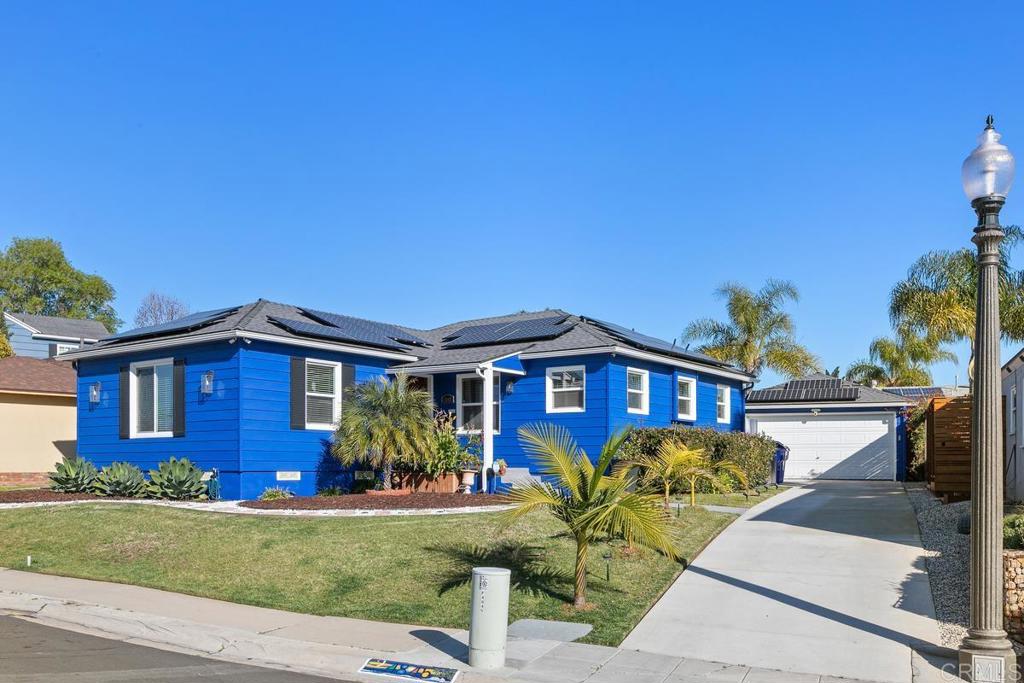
[(121, 479), (177, 480), (583, 497), (73, 475)]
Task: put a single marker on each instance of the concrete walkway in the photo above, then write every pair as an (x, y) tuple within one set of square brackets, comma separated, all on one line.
[(828, 578), (336, 647)]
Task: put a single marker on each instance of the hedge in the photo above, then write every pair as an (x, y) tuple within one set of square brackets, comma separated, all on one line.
[(754, 453)]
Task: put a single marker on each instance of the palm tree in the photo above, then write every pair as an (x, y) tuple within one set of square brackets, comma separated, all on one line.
[(662, 468), (899, 362), (384, 423), (694, 466), (588, 501), (938, 297), (759, 333)]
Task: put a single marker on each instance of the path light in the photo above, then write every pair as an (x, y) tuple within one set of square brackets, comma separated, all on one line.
[(986, 655), (607, 565)]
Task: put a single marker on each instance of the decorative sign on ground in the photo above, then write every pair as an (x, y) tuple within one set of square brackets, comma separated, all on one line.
[(365, 475), (410, 672)]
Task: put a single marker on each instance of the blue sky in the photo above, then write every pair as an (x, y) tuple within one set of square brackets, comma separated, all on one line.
[(426, 162)]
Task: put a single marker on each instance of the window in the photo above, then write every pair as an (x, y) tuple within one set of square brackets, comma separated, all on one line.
[(567, 389), (64, 348), (323, 394), (152, 398), (722, 401), (637, 391), (686, 398), (469, 403), (1012, 426)]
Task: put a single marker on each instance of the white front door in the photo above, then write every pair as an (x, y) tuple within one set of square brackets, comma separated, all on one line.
[(851, 446)]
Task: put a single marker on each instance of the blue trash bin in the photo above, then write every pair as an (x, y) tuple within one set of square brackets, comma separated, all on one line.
[(781, 456)]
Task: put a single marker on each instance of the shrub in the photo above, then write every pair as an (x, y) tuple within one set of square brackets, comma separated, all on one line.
[(176, 480), (754, 454), (276, 493), (447, 453), (917, 441), (332, 491), (120, 479), (73, 475), (1013, 532)]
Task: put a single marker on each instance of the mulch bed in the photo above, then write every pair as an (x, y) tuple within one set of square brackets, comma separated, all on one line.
[(41, 496), (361, 501)]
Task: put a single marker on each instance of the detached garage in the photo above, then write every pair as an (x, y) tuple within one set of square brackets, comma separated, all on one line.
[(834, 429)]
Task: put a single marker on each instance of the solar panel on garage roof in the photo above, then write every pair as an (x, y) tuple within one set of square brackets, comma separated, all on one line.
[(508, 332), (367, 337), (366, 328), (189, 322), (807, 390)]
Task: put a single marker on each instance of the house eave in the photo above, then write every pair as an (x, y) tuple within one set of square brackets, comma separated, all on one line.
[(754, 407)]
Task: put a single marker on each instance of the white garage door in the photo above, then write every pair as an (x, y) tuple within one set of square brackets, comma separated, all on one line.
[(860, 446)]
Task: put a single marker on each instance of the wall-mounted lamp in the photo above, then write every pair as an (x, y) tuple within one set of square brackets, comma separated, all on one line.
[(94, 392), (206, 383), (508, 387), (447, 399)]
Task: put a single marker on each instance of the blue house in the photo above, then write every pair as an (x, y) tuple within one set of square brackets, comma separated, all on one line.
[(255, 390), (45, 336)]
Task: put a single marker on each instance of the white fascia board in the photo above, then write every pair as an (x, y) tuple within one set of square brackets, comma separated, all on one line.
[(41, 336), (642, 355), (20, 323), (442, 369), (754, 407), (229, 335)]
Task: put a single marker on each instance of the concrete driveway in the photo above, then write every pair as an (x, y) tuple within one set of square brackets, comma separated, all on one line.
[(823, 579)]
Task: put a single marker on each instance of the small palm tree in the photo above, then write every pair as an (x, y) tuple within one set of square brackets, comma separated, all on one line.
[(383, 424), (588, 501), (694, 466), (759, 333), (661, 469), (899, 362)]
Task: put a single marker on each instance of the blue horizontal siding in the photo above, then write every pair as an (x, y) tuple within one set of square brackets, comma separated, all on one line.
[(211, 422)]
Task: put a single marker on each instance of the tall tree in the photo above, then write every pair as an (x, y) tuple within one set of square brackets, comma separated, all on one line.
[(759, 333), (157, 308), (938, 297), (899, 362), (36, 277)]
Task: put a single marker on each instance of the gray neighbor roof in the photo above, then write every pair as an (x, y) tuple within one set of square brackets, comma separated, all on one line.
[(846, 393), (51, 326), (260, 316)]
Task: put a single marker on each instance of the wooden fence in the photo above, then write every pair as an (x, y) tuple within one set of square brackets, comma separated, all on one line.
[(948, 463)]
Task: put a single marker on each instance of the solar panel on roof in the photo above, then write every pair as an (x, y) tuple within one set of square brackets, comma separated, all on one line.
[(643, 341), (813, 390), (366, 328), (366, 337), (532, 329), (189, 322)]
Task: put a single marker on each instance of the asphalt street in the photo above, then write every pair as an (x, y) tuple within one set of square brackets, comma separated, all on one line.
[(32, 653)]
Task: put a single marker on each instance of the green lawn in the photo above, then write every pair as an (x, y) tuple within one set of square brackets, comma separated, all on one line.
[(401, 569), (737, 500)]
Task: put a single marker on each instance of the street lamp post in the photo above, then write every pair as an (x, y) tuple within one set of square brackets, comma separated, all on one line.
[(986, 654)]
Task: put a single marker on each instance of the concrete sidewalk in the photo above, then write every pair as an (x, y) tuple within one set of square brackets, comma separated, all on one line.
[(333, 646), (825, 578)]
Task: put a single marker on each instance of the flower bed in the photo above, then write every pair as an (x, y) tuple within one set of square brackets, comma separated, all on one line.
[(40, 496), (361, 501)]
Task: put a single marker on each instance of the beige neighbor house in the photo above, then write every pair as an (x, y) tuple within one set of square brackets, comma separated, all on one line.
[(37, 418)]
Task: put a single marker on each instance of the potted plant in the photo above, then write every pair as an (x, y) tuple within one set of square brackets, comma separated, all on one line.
[(500, 467), (470, 467)]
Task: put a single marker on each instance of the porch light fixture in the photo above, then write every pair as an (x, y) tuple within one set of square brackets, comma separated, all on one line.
[(986, 653), (94, 392), (206, 383)]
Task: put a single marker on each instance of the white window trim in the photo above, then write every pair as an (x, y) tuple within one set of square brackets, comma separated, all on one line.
[(64, 348), (430, 386), (1012, 426), (692, 382), (322, 426), (645, 392), (458, 402), (727, 393), (549, 391), (133, 405)]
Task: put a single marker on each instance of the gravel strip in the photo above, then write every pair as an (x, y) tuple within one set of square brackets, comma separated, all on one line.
[(948, 561)]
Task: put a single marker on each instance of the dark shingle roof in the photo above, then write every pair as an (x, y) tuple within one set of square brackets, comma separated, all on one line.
[(51, 326), (21, 374), (845, 393), (571, 332)]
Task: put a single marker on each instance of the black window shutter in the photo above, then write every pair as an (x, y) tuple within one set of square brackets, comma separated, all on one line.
[(53, 350), (179, 397), (348, 378), (124, 403), (298, 392)]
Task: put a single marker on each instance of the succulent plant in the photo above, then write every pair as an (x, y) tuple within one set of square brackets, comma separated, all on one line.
[(120, 479), (73, 475), (177, 479)]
